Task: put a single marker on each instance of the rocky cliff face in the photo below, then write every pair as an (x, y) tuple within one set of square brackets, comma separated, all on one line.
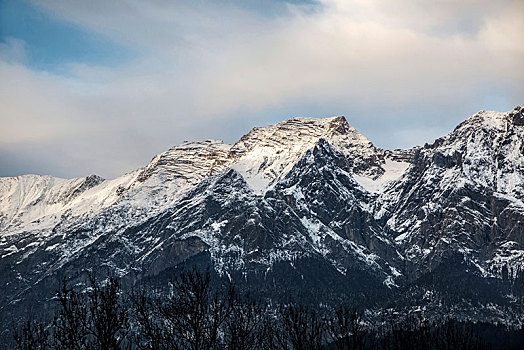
[(463, 195), (305, 204)]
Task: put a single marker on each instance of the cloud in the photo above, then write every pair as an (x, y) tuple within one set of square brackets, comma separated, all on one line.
[(213, 70)]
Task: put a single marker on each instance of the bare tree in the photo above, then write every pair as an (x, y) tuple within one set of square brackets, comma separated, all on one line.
[(150, 330), (190, 317), (244, 328), (93, 320), (32, 336), (302, 327), (194, 313), (452, 334), (70, 329), (346, 330), (108, 318)]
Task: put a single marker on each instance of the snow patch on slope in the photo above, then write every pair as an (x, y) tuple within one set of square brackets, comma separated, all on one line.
[(393, 171)]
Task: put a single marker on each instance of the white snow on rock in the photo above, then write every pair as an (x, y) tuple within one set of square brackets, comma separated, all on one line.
[(37, 202), (34, 202), (484, 155), (485, 152), (393, 170), (263, 156)]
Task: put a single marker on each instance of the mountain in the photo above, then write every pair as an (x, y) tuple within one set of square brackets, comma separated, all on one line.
[(307, 208)]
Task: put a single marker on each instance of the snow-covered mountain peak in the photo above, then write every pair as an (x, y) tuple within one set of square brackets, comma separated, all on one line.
[(480, 145), (192, 161), (464, 191), (265, 155), (29, 199), (172, 173), (299, 130), (294, 130), (489, 121)]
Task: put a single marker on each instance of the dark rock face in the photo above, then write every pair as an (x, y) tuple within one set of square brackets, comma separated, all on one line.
[(446, 236), (456, 216), (89, 182), (462, 196), (517, 116), (322, 192)]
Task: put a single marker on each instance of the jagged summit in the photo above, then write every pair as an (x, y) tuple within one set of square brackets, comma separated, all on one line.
[(464, 196), (192, 161), (265, 155), (299, 130), (487, 148), (492, 120), (287, 132), (517, 116)]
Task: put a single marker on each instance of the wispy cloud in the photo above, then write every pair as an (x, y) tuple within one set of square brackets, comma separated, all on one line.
[(213, 70)]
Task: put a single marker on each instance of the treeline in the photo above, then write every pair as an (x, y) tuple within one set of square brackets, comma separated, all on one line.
[(196, 314)]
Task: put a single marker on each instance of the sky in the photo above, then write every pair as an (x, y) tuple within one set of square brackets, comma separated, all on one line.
[(100, 87)]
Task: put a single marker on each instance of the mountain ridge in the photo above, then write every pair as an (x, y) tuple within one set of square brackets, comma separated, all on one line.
[(303, 192)]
